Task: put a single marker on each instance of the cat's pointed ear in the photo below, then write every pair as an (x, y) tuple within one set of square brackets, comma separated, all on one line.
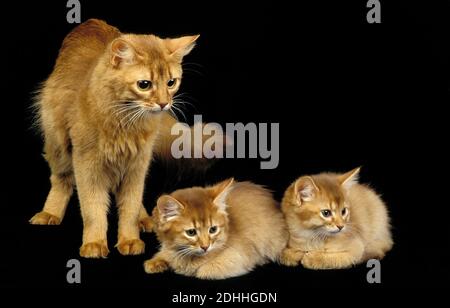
[(169, 208), (221, 191), (350, 178), (122, 52), (305, 189), (179, 47)]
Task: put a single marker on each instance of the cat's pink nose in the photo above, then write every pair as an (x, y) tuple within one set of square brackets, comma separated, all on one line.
[(162, 105), (205, 248)]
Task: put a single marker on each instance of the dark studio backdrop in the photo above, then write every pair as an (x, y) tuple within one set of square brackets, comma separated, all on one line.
[(346, 93)]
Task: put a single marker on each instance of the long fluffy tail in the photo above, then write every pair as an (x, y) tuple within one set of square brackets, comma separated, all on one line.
[(162, 148)]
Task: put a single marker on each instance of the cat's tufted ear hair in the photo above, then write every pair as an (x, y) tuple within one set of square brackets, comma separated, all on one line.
[(181, 46), (350, 178), (169, 208), (305, 189), (221, 191), (122, 52)]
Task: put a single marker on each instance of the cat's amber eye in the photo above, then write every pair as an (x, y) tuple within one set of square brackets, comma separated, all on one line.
[(344, 211), (191, 232), (326, 213), (213, 229), (144, 84), (172, 82)]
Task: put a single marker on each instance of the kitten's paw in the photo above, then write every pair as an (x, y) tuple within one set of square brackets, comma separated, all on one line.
[(291, 257), (97, 249), (327, 260), (131, 247), (146, 224), (44, 218), (153, 266), (313, 260)]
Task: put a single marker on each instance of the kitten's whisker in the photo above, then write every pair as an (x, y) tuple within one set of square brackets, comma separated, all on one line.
[(124, 110), (193, 63), (184, 103), (191, 70), (180, 111), (130, 118), (136, 117), (185, 95), (174, 114)]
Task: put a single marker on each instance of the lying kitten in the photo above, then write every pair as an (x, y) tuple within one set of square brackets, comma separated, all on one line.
[(334, 222), (217, 232)]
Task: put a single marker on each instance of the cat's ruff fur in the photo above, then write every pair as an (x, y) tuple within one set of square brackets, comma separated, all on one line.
[(251, 232), (366, 228), (90, 141)]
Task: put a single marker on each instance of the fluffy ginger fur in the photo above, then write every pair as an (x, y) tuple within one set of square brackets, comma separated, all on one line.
[(334, 222), (101, 127), (237, 227)]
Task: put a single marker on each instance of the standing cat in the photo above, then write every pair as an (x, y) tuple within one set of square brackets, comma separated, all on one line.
[(334, 222), (217, 232), (101, 112)]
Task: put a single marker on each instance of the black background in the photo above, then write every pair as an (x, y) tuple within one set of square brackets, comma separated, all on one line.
[(345, 92)]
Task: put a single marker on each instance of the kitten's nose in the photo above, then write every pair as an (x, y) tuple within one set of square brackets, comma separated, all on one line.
[(162, 105), (340, 227), (205, 248)]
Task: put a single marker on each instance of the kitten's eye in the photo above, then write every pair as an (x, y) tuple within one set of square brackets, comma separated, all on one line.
[(191, 232), (213, 229), (326, 213), (172, 82), (144, 84), (344, 211)]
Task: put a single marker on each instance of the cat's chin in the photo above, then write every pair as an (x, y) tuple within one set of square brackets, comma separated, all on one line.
[(333, 233), (201, 253)]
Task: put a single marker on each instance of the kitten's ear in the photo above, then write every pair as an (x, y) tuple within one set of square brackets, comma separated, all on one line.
[(179, 47), (221, 191), (169, 208), (305, 189), (122, 52), (350, 178)]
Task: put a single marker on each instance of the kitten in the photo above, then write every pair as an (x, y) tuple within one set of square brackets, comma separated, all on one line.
[(101, 111), (334, 222), (217, 232)]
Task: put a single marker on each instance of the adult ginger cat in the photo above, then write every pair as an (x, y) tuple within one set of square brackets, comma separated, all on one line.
[(217, 232), (101, 112), (334, 222)]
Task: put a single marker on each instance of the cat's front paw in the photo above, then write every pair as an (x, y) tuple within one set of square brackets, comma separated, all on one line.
[(317, 261), (98, 249), (291, 257), (131, 247), (146, 224), (312, 260), (44, 218), (155, 265)]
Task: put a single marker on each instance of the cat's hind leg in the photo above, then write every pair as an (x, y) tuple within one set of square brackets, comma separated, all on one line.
[(62, 182)]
